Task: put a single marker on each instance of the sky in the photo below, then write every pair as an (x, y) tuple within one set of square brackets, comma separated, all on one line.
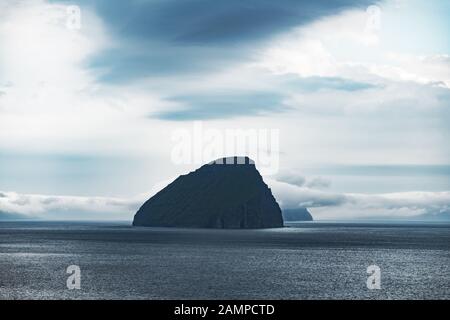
[(103, 103)]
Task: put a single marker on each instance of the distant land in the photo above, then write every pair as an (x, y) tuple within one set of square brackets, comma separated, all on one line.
[(228, 193), (298, 214), (6, 216)]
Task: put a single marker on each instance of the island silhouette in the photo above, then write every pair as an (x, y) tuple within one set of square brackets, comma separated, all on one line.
[(228, 193)]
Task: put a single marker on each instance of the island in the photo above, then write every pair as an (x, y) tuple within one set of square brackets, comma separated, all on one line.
[(228, 193)]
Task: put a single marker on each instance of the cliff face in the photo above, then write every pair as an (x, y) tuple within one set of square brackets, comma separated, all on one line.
[(228, 193)]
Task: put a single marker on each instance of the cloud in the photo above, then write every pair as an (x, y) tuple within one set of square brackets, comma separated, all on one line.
[(62, 207), (37, 206), (167, 37), (329, 205), (293, 196), (323, 205), (235, 20), (52, 100), (318, 183), (315, 83), (405, 205), (292, 177), (222, 106), (350, 51), (425, 69), (42, 67), (38, 49)]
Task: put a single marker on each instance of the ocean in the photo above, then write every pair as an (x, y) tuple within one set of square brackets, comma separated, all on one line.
[(309, 260)]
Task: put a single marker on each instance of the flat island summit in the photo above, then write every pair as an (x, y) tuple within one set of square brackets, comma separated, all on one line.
[(228, 193)]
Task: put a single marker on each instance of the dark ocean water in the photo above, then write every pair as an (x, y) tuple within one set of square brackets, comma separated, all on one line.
[(303, 261)]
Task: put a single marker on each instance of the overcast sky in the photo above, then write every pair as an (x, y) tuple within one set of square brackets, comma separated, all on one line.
[(358, 90)]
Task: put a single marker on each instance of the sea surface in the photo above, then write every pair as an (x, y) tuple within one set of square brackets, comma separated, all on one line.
[(313, 260)]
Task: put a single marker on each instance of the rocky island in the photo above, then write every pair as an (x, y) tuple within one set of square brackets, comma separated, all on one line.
[(228, 193)]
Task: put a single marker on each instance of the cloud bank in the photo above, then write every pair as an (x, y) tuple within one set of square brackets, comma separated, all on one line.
[(66, 207), (329, 205), (323, 205)]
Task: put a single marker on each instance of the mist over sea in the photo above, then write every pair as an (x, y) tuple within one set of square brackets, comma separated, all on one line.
[(317, 260)]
